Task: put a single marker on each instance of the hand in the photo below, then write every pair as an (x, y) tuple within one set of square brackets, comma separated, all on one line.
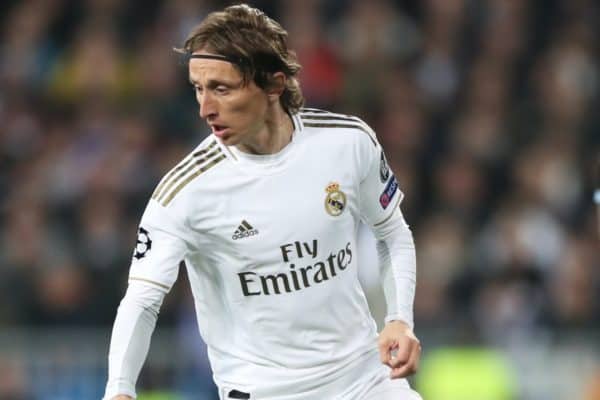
[(397, 337), (122, 397)]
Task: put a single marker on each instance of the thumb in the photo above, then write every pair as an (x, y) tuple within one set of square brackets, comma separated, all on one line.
[(385, 345)]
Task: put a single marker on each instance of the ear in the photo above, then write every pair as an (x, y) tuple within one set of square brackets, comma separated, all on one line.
[(276, 86)]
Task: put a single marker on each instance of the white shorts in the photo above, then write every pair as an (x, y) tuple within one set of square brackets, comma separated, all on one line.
[(391, 390), (372, 382), (380, 386)]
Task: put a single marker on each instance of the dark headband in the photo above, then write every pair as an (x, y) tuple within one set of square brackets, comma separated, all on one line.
[(216, 57), (265, 62)]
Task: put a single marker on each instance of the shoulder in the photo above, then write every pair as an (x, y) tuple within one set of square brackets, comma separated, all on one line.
[(327, 122), (204, 157)]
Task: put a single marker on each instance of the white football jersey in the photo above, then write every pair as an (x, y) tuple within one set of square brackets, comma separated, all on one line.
[(269, 242)]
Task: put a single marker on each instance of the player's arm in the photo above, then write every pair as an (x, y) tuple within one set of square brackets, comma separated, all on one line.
[(380, 198), (130, 340), (396, 254), (153, 271)]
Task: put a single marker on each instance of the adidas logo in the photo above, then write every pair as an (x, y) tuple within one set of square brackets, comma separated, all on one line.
[(244, 230)]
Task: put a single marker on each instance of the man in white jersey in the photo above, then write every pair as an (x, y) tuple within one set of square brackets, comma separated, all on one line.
[(265, 213)]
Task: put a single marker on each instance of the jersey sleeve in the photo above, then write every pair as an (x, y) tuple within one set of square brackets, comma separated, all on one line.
[(379, 198), (379, 193), (159, 248)]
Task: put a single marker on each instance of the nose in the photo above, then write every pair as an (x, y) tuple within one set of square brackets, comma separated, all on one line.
[(208, 105)]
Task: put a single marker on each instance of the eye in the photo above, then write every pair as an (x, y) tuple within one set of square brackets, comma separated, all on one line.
[(221, 89), (197, 89)]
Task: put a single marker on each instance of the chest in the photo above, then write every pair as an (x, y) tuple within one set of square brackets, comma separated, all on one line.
[(303, 213)]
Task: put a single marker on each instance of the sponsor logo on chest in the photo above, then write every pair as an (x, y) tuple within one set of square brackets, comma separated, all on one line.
[(314, 271)]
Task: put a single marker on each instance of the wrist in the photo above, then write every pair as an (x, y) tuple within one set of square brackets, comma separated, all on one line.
[(405, 319), (404, 327), (398, 322)]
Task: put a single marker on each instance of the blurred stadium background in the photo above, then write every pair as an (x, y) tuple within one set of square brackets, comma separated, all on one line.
[(488, 109)]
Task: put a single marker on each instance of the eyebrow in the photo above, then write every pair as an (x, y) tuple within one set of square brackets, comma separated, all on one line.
[(215, 82), (210, 83)]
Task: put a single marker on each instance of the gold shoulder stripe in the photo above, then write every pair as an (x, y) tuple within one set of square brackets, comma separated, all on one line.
[(326, 117), (314, 110), (193, 165), (194, 161), (168, 177), (134, 278), (205, 150), (333, 125), (315, 113), (206, 167), (308, 114), (186, 161)]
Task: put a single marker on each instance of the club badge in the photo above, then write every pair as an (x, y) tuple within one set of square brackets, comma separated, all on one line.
[(335, 201), (143, 244)]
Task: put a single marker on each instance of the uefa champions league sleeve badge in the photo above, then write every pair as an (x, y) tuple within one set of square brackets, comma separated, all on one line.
[(335, 201)]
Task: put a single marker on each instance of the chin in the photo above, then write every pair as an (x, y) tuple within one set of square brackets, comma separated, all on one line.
[(229, 140)]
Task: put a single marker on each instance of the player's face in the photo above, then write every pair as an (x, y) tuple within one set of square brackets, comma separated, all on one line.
[(236, 113)]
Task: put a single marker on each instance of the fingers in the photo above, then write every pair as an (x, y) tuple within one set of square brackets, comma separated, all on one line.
[(399, 349), (386, 345), (401, 370), (395, 353), (403, 352)]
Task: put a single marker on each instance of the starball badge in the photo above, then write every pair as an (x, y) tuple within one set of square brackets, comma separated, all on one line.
[(384, 169), (143, 244)]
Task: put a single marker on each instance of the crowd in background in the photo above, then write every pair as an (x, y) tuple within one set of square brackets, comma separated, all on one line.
[(487, 109)]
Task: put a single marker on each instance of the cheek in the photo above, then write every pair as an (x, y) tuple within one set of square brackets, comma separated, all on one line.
[(249, 109)]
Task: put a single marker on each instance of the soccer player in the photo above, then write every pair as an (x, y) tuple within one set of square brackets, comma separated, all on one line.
[(265, 213)]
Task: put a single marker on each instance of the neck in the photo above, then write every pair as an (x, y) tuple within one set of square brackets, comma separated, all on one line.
[(273, 136)]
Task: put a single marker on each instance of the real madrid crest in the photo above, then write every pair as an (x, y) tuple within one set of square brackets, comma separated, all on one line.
[(335, 202)]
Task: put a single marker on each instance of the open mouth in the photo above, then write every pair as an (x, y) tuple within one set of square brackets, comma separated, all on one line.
[(219, 130)]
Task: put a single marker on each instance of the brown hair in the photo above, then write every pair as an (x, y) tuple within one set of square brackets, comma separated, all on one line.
[(256, 44)]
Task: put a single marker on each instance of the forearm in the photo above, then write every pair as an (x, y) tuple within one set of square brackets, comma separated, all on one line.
[(130, 340), (396, 251)]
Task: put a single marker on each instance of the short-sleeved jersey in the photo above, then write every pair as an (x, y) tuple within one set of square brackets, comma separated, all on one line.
[(269, 243)]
